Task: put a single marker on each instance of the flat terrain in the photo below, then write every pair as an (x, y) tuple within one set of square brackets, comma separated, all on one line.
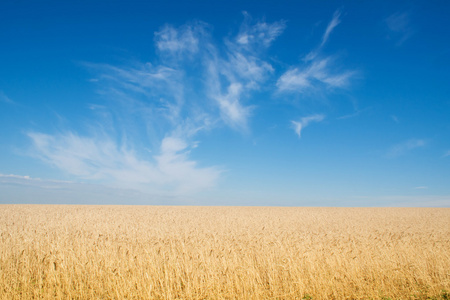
[(161, 252)]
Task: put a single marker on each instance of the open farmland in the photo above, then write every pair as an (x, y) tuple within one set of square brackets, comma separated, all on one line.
[(161, 252)]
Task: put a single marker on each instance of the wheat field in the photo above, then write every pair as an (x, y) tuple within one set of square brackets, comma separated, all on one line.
[(162, 252)]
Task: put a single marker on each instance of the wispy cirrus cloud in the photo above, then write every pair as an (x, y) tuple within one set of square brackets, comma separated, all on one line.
[(143, 134), (254, 37), (404, 147), (101, 160), (316, 72), (298, 126), (399, 27), (335, 21), (317, 75), (232, 77), (152, 112), (180, 42)]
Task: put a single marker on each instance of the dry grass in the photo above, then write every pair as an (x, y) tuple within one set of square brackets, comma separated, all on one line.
[(144, 252)]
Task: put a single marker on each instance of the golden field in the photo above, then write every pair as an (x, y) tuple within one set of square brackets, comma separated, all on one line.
[(162, 252)]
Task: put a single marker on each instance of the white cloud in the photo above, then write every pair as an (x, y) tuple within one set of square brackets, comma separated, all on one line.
[(404, 147), (101, 160), (261, 34), (233, 113), (231, 78), (447, 153), (305, 121), (44, 183), (228, 77), (172, 145), (248, 68), (333, 23), (316, 75), (195, 84), (174, 164), (293, 80), (155, 90), (177, 42), (399, 26), (161, 106), (140, 79), (26, 177), (421, 187)]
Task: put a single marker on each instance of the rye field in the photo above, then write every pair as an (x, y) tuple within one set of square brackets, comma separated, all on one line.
[(163, 252)]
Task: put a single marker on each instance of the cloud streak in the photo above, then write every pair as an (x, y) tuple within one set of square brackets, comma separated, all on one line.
[(233, 77), (422, 187), (25, 189), (317, 72), (260, 35), (298, 126), (178, 42), (399, 27), (404, 147), (335, 21)]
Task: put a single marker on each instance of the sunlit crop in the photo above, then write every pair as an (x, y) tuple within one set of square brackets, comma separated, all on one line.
[(161, 252)]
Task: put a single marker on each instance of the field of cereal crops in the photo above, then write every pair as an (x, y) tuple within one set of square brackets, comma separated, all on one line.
[(175, 252)]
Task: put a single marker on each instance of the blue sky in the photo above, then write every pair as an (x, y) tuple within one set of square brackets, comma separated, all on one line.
[(288, 103)]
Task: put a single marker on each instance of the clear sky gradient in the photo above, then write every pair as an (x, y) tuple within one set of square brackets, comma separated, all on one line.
[(287, 103)]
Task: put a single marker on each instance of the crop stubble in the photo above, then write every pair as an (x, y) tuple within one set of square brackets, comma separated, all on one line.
[(162, 252)]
